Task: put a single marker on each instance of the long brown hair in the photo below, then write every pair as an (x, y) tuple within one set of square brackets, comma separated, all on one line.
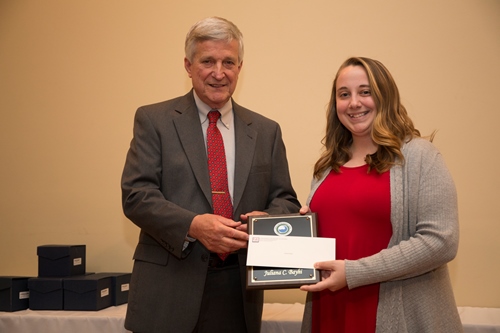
[(391, 127)]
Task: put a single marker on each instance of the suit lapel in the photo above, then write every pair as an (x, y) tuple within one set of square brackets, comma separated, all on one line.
[(191, 137), (245, 139)]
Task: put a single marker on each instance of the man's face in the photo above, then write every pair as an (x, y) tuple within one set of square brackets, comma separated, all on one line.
[(214, 71)]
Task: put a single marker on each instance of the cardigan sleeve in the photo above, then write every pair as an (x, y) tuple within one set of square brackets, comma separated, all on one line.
[(424, 215)]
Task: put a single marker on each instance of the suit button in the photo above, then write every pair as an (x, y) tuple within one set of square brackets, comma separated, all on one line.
[(167, 245), (204, 257)]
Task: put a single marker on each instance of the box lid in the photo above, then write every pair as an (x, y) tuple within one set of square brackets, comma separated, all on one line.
[(85, 283), (114, 274), (54, 252), (7, 281), (45, 285)]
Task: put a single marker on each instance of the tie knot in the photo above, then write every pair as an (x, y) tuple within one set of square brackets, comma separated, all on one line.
[(213, 116)]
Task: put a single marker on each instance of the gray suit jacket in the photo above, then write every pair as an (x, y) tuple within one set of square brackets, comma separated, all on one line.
[(165, 184)]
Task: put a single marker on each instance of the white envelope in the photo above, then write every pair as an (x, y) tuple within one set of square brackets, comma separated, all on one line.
[(289, 251)]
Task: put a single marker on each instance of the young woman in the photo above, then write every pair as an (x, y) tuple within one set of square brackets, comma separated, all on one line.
[(387, 197)]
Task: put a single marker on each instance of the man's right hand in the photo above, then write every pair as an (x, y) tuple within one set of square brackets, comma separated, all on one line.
[(218, 233)]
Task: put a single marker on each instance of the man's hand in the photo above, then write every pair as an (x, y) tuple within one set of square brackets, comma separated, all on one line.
[(244, 218), (217, 233)]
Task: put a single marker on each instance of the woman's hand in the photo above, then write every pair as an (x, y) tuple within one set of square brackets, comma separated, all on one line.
[(304, 210), (332, 276)]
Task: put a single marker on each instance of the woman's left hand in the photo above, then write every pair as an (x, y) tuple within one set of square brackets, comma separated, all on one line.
[(332, 276)]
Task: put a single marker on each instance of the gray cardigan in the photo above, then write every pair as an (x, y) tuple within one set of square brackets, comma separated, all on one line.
[(415, 290)]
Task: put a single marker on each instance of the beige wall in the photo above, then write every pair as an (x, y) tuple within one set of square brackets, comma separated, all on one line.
[(72, 74)]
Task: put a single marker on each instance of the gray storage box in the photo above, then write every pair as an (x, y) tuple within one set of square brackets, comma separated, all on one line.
[(88, 292), (14, 293), (61, 260), (46, 293), (120, 287)]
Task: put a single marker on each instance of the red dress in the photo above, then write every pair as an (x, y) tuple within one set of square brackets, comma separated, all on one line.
[(353, 207)]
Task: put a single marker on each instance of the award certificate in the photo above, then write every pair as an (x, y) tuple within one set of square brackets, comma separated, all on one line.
[(282, 250)]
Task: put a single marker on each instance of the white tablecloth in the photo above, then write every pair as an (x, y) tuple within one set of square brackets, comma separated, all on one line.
[(480, 320), (277, 318), (109, 320), (282, 318)]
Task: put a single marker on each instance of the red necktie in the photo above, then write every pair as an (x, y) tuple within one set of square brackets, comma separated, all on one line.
[(217, 169)]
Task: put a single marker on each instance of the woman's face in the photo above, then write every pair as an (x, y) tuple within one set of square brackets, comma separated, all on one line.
[(355, 105)]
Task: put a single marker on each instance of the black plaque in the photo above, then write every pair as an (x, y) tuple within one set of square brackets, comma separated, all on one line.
[(281, 225)]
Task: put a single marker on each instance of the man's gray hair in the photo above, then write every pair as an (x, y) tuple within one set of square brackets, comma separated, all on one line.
[(213, 28)]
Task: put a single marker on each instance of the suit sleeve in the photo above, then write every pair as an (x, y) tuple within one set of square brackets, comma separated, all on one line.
[(142, 198)]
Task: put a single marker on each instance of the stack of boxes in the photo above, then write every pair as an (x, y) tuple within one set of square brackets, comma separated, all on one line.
[(63, 284)]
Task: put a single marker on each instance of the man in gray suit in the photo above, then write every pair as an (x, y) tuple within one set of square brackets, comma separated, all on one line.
[(179, 283)]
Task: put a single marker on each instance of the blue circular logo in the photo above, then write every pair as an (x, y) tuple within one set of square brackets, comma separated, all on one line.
[(282, 228)]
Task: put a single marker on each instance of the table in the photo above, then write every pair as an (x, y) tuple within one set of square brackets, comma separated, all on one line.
[(276, 318), (480, 320)]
